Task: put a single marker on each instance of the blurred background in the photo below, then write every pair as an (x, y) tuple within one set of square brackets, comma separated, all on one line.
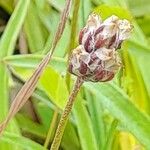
[(106, 116)]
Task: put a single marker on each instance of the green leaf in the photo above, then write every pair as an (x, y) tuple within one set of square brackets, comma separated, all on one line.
[(144, 24), (111, 135), (138, 35), (62, 46), (106, 11), (132, 80), (21, 141), (84, 11), (34, 30), (141, 57), (30, 61), (119, 105), (44, 112), (7, 44), (59, 5), (3, 91), (4, 100), (41, 96), (116, 3), (9, 37), (29, 126), (7, 5), (96, 112), (70, 140), (84, 126), (139, 7), (55, 87)]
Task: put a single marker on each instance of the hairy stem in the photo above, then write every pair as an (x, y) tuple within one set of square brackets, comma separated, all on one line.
[(65, 115)]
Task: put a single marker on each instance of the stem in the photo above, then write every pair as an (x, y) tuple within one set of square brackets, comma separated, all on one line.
[(50, 131), (65, 115)]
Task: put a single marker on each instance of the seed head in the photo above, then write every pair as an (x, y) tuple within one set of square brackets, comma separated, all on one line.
[(96, 58)]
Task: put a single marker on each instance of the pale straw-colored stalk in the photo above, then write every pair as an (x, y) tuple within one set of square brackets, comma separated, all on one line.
[(65, 115), (30, 85)]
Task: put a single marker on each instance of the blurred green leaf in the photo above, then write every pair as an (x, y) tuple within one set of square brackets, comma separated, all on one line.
[(110, 135), (138, 35), (140, 57), (84, 126), (106, 11), (36, 35), (55, 87), (84, 11), (62, 46), (139, 7), (122, 3), (132, 79), (7, 45), (118, 104), (7, 5), (3, 91), (144, 24), (44, 112), (59, 5), (27, 125), (30, 61), (4, 100), (9, 37), (70, 140), (21, 141), (96, 114)]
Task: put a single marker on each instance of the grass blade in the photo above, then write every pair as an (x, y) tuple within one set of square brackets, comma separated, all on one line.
[(96, 112), (21, 141), (13, 27), (117, 102), (7, 44), (31, 61), (85, 131), (111, 135)]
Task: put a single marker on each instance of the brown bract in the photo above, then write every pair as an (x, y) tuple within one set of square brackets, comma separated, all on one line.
[(99, 65)]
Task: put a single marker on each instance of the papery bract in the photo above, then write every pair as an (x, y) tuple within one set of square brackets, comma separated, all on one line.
[(96, 58)]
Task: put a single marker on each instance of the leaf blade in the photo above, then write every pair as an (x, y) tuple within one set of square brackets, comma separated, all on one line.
[(133, 120), (14, 25)]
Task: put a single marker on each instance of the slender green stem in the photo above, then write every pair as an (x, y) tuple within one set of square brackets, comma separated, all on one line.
[(50, 131), (65, 115)]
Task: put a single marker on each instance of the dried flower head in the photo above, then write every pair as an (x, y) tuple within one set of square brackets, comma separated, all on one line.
[(96, 58)]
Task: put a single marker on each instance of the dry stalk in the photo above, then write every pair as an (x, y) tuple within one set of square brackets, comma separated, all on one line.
[(65, 115), (30, 85)]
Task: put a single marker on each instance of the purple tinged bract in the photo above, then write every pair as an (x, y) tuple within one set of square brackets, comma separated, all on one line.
[(96, 58)]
